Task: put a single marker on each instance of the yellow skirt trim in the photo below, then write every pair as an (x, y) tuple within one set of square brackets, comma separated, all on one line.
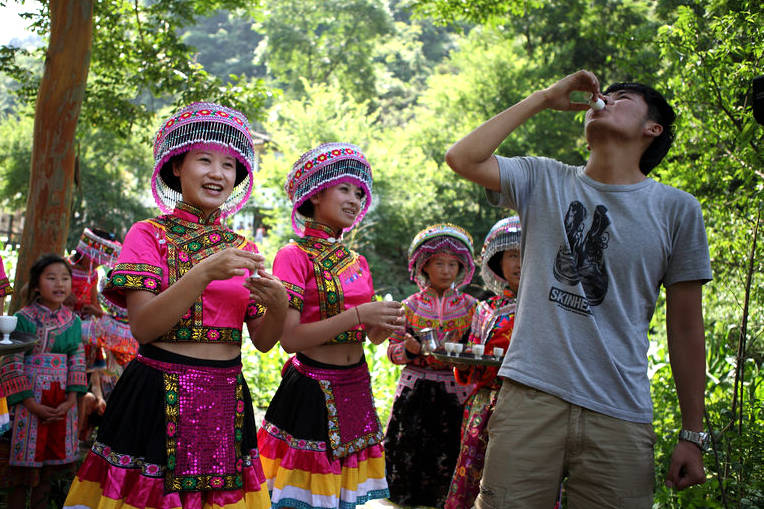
[(324, 484), (88, 494)]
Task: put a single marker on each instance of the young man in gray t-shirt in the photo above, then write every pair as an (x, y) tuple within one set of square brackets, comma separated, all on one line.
[(599, 242)]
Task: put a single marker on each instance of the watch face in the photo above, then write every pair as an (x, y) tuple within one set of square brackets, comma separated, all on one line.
[(699, 438), (705, 439)]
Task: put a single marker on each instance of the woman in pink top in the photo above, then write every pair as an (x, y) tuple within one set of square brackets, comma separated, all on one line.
[(321, 439), (179, 429)]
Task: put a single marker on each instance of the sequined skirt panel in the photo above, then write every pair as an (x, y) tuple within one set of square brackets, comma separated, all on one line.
[(296, 450), (168, 441)]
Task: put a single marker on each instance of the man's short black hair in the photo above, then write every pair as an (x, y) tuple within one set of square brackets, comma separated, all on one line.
[(658, 110)]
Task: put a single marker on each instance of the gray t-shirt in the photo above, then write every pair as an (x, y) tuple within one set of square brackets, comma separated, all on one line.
[(594, 257)]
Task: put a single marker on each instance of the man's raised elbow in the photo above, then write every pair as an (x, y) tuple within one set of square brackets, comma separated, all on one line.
[(452, 160)]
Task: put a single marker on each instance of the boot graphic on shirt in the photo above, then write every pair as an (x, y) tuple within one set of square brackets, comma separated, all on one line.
[(581, 258), (569, 254)]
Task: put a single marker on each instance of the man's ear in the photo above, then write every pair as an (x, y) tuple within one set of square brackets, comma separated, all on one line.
[(652, 129)]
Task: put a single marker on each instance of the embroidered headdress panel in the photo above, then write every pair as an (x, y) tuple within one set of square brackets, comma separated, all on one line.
[(441, 238), (98, 246), (197, 126), (325, 166), (504, 235)]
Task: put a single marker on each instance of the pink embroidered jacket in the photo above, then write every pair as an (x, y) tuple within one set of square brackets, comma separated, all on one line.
[(5, 285), (323, 278), (157, 252)]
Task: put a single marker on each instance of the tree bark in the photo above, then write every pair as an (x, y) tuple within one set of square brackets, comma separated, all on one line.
[(59, 99)]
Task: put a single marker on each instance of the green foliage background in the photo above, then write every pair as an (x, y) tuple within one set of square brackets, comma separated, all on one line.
[(404, 79)]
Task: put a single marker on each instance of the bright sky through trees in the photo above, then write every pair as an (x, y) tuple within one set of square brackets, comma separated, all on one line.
[(12, 26)]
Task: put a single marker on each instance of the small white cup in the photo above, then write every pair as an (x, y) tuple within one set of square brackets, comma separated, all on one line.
[(498, 352), (7, 325), (478, 349), (456, 348), (449, 348)]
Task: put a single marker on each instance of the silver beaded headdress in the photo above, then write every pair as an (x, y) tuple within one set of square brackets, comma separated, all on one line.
[(325, 166), (441, 238), (196, 126), (506, 234)]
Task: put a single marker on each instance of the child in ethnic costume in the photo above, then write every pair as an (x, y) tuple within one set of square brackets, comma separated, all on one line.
[(179, 428), (422, 440), (491, 327), (95, 248), (5, 286), (5, 290), (42, 385), (321, 437)]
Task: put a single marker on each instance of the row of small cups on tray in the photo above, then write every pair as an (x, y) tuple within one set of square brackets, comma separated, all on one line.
[(478, 350)]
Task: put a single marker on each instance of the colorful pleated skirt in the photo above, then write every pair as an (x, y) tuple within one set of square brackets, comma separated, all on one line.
[(320, 443), (177, 432), (5, 417)]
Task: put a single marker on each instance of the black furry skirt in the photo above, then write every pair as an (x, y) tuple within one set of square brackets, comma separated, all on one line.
[(422, 444)]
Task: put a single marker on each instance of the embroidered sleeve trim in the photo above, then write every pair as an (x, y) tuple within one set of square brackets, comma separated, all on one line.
[(254, 310)]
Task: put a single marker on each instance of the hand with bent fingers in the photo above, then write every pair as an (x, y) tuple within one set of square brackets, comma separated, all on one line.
[(65, 406), (267, 290), (412, 345), (231, 262), (686, 468), (43, 412), (557, 96), (382, 315)]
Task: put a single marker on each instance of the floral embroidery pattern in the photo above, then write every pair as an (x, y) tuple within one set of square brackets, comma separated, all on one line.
[(127, 461), (295, 294), (294, 443), (329, 260), (188, 243)]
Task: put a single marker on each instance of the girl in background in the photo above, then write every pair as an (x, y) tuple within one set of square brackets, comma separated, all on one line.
[(321, 437), (42, 385), (422, 440), (5, 287), (5, 290), (492, 327), (179, 429)]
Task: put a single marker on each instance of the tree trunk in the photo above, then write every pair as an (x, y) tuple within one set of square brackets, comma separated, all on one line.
[(59, 99)]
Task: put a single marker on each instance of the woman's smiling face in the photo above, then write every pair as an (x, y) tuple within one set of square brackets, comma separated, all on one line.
[(338, 206), (207, 178)]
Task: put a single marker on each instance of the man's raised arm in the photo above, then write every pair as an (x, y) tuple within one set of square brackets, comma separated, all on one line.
[(472, 156)]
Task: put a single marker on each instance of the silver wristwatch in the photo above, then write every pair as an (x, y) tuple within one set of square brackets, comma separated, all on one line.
[(699, 438)]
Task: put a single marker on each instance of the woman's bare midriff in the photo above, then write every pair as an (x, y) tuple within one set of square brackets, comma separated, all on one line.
[(207, 351), (338, 354)]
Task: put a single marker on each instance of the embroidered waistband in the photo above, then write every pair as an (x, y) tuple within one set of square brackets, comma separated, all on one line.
[(411, 374)]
